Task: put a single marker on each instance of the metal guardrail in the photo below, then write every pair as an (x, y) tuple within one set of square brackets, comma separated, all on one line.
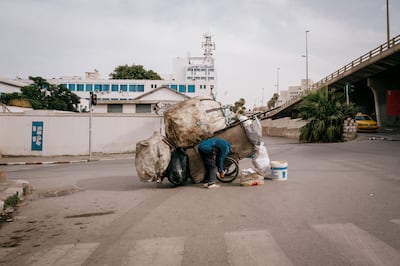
[(341, 71)]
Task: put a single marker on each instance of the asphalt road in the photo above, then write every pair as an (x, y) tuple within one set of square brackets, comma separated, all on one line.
[(339, 206)]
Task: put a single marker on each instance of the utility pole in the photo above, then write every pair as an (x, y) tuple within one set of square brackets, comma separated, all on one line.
[(387, 23), (90, 128), (92, 102), (262, 98), (307, 31), (277, 80)]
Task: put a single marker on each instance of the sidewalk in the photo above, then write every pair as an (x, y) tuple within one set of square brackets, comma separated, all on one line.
[(12, 188)]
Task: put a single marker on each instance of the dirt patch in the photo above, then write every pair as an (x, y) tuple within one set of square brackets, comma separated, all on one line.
[(59, 192)]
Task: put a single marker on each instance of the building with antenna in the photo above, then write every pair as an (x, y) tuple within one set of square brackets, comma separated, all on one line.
[(199, 69)]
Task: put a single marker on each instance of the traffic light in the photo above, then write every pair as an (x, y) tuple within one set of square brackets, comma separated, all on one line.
[(93, 98)]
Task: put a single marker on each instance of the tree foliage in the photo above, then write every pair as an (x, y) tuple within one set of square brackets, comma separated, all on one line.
[(272, 102), (238, 107), (325, 111), (43, 95), (133, 72)]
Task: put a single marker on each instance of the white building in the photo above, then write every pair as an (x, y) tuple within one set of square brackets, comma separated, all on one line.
[(293, 91), (10, 86), (283, 97)]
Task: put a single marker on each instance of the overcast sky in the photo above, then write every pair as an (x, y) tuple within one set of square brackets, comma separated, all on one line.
[(54, 38)]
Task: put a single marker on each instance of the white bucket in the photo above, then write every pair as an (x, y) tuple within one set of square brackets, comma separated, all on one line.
[(279, 170)]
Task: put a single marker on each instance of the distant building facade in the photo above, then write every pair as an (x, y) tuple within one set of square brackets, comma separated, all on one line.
[(293, 91)]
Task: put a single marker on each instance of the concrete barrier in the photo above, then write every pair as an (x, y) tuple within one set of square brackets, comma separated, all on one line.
[(283, 127)]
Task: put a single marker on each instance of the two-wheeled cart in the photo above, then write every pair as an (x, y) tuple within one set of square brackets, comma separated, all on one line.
[(242, 146)]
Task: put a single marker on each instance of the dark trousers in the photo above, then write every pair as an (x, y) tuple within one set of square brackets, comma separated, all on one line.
[(210, 167)]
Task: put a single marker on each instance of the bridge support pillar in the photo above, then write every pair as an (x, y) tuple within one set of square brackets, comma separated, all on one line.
[(379, 86)]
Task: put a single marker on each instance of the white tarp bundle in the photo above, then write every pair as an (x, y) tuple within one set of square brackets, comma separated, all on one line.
[(190, 121), (261, 160), (152, 158)]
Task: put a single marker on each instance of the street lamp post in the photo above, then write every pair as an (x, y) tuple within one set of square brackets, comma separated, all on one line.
[(90, 129), (307, 31), (262, 98), (387, 23), (277, 80)]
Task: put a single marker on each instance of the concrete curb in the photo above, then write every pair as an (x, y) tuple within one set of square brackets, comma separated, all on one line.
[(45, 162), (64, 162), (11, 189)]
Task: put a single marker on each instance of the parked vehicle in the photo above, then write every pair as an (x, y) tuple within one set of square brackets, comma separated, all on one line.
[(364, 123)]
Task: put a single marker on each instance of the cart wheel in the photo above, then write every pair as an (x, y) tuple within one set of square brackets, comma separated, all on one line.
[(231, 168)]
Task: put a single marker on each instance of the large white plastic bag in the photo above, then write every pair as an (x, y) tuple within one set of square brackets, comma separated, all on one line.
[(152, 158), (188, 122), (261, 160), (253, 129)]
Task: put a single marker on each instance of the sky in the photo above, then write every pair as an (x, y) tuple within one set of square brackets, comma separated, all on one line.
[(259, 43)]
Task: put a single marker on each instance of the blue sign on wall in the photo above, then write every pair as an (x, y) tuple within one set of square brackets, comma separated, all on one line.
[(37, 135)]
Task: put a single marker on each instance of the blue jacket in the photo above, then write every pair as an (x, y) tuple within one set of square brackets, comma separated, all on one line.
[(216, 146)]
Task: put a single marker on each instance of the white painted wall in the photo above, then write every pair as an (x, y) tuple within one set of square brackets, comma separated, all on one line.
[(67, 133)]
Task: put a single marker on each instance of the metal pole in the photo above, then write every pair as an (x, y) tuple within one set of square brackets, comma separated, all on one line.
[(90, 129), (387, 23), (347, 92), (277, 80), (307, 31), (262, 99)]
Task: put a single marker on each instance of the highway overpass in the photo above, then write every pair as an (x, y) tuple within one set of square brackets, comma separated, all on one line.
[(373, 80)]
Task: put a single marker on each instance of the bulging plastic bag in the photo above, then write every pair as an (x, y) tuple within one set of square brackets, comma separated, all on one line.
[(253, 129), (261, 160), (178, 168), (152, 158), (190, 121)]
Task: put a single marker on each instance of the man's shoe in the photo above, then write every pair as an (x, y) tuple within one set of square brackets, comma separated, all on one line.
[(213, 186), (205, 185)]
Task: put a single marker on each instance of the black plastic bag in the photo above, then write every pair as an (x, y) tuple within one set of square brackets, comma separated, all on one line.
[(178, 168)]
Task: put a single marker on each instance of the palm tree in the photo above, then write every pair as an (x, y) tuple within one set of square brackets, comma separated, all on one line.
[(325, 111), (272, 102), (238, 107)]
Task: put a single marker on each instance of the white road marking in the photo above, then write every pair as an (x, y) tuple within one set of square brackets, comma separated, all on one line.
[(254, 248), (71, 255), (358, 246), (157, 251)]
